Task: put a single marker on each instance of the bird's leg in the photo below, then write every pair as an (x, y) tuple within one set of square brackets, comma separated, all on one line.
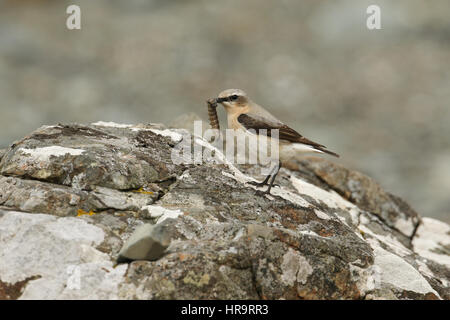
[(273, 178), (262, 184), (272, 174)]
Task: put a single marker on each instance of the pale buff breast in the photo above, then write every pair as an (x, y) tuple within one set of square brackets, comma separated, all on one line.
[(232, 116)]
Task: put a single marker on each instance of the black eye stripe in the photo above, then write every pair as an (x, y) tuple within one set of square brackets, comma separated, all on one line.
[(233, 97)]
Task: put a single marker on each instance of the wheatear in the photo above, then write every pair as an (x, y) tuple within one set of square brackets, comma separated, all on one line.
[(244, 115)]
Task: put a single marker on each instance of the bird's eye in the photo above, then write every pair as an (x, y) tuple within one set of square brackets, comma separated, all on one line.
[(234, 97)]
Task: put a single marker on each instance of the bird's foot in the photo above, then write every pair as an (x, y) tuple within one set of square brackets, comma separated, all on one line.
[(258, 184), (262, 184)]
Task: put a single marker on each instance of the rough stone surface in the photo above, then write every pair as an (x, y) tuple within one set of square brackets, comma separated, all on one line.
[(49, 253), (72, 195), (148, 242), (432, 240), (367, 194)]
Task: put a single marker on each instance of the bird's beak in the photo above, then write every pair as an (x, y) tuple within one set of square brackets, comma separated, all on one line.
[(220, 100)]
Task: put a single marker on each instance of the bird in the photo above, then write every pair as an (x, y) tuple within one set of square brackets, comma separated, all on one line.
[(247, 117)]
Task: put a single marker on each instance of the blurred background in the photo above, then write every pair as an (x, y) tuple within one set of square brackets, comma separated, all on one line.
[(380, 98)]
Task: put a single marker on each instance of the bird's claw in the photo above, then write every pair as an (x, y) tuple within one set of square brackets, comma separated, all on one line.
[(262, 184), (257, 184)]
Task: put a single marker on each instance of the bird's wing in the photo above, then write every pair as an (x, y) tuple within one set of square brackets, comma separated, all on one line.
[(252, 121)]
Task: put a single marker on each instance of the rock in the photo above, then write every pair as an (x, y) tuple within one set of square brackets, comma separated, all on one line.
[(44, 197), (48, 257), (366, 193), (85, 156), (432, 241), (74, 198), (148, 242)]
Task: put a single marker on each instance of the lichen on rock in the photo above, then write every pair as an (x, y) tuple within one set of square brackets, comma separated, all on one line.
[(326, 232)]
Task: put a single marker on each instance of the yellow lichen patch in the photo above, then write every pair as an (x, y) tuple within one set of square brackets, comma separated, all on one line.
[(184, 256), (81, 212), (196, 280), (141, 190)]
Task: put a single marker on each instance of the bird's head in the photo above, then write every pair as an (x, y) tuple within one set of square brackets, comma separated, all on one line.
[(233, 98)]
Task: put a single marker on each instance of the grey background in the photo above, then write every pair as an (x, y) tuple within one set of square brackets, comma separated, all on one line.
[(379, 98)]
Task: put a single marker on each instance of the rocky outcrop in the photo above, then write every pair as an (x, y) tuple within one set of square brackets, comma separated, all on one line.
[(72, 195)]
